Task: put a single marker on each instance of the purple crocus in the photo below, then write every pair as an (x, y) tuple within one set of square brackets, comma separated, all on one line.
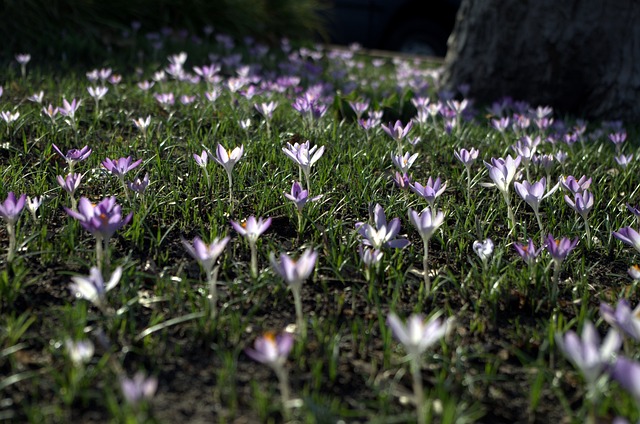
[(120, 166), (629, 236), (73, 156), (206, 254), (70, 183), (534, 193), (418, 334), (560, 248), (251, 229), (586, 353), (69, 109), (381, 234), (576, 186), (294, 273), (402, 181), (304, 156), (582, 203), (93, 288), (11, 208), (397, 131), (138, 388), (404, 162), (527, 252), (623, 160), (467, 157), (431, 190), (139, 185), (299, 196), (101, 220), (622, 318), (270, 349), (627, 373)]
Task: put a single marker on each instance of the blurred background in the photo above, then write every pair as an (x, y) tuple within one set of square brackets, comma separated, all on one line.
[(81, 31)]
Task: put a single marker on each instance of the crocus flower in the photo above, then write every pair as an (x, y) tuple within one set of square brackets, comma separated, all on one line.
[(120, 166), (624, 160), (138, 388), (534, 193), (576, 186), (397, 131), (431, 190), (79, 352), (502, 172), (33, 203), (294, 273), (70, 183), (586, 353), (50, 111), (484, 249), (97, 93), (627, 373), (427, 223), (299, 196), (139, 185), (228, 159), (206, 254), (623, 318), (402, 181), (273, 350), (73, 156), (527, 252), (304, 156), (629, 236), (69, 109), (418, 334), (142, 123), (266, 109), (560, 248), (101, 220), (467, 157), (404, 162), (11, 208), (382, 234), (369, 256), (201, 160), (93, 287), (582, 203), (251, 229)]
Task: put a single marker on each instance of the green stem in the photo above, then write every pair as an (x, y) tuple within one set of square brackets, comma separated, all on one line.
[(425, 267), (588, 230), (512, 218), (254, 259), (11, 231), (283, 382), (298, 305), (213, 291), (556, 279), (99, 253), (418, 392)]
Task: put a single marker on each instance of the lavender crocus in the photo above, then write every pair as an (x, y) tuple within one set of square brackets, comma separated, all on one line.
[(251, 229), (202, 160), (467, 158), (527, 252), (417, 336), (404, 162), (70, 184), (93, 288), (101, 220), (427, 223), (69, 110), (80, 352), (10, 211), (484, 250), (120, 167), (294, 273), (627, 373), (73, 156), (431, 190), (304, 156), (502, 172), (559, 250), (576, 186), (587, 353), (623, 318), (629, 236), (398, 132), (138, 388), (382, 233), (228, 159), (207, 256), (533, 194), (139, 185), (582, 204), (273, 351)]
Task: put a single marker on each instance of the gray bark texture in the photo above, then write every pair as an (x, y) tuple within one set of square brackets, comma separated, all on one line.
[(579, 56)]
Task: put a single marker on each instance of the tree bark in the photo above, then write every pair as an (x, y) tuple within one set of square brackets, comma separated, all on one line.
[(579, 56)]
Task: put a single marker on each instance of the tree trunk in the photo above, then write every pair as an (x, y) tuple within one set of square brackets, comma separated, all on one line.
[(579, 56)]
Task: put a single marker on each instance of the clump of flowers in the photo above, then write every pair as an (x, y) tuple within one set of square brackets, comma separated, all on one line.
[(382, 233), (304, 156)]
